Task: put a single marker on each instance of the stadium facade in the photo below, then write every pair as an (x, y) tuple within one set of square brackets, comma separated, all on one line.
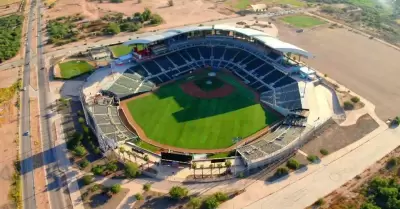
[(262, 62)]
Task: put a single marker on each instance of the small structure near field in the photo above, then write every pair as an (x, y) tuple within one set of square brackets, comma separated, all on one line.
[(99, 53)]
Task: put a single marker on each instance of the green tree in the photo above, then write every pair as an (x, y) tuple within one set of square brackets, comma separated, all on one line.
[(81, 120), (221, 197), (228, 163), (369, 206), (115, 188), (219, 166), (111, 166), (88, 179), (138, 196), (131, 170), (146, 14), (324, 152), (312, 158), (202, 169), (84, 163), (146, 158), (211, 203), (293, 164), (112, 29), (211, 166), (80, 151), (194, 203), (178, 193), (156, 19), (281, 172), (194, 166), (98, 170), (122, 152)]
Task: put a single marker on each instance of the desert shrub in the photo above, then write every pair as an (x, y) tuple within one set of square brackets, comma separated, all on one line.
[(355, 99), (112, 29), (170, 3), (194, 202), (146, 187), (111, 166), (178, 192), (319, 202), (391, 163), (312, 158), (115, 188), (293, 164), (347, 105), (324, 152), (156, 19), (95, 187), (88, 179)]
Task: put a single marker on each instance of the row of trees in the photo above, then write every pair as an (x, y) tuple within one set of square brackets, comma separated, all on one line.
[(10, 36), (227, 164)]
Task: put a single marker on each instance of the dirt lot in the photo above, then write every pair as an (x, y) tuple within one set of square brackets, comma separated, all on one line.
[(365, 66), (8, 77), (8, 131), (193, 11), (39, 174), (333, 137), (9, 8)]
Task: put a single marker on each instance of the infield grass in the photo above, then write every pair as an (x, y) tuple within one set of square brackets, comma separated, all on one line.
[(302, 21), (74, 68), (172, 117)]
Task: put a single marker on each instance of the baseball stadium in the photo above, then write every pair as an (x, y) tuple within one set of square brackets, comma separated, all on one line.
[(196, 91)]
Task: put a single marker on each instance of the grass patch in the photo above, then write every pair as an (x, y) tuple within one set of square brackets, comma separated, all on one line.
[(172, 117), (243, 4), (302, 21), (74, 68), (120, 50), (296, 3), (147, 146)]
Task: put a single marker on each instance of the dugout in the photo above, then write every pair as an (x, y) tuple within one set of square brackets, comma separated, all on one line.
[(175, 159)]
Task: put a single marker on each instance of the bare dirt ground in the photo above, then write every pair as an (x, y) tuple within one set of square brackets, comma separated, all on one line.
[(333, 137), (7, 9), (365, 66), (8, 77), (9, 139), (42, 200), (183, 12)]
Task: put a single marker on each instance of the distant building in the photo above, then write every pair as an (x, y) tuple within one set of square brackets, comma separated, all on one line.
[(259, 7), (99, 53)]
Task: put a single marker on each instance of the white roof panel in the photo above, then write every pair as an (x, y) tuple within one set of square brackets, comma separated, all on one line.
[(283, 46)]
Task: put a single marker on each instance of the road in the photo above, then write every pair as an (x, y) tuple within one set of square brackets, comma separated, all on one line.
[(57, 191), (28, 194)]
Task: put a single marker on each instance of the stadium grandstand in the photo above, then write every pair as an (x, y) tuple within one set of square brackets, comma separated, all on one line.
[(258, 59)]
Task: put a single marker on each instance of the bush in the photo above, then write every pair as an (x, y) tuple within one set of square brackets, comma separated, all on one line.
[(221, 197), (138, 196), (347, 105), (112, 29), (178, 193), (281, 172), (10, 35), (170, 3), (88, 179), (95, 187), (293, 164), (111, 166), (156, 19), (98, 170), (131, 170), (211, 203), (97, 151), (146, 187), (391, 163), (319, 202), (355, 99), (115, 188), (84, 163), (146, 15), (324, 152), (80, 151), (81, 120), (194, 202), (312, 158)]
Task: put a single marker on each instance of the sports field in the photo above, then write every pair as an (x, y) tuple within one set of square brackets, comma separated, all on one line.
[(120, 50), (74, 68), (172, 117), (302, 21)]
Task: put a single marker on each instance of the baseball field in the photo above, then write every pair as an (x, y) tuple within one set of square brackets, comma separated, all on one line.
[(200, 112)]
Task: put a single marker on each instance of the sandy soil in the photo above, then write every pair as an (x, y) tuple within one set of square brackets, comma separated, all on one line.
[(9, 8), (365, 66), (8, 131), (39, 173), (193, 11), (8, 77)]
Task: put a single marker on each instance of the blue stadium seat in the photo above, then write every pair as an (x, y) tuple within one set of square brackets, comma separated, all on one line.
[(152, 67), (164, 78), (230, 53), (155, 80), (239, 57), (285, 81), (218, 52), (273, 55), (177, 59), (164, 62), (193, 52), (254, 64), (273, 76)]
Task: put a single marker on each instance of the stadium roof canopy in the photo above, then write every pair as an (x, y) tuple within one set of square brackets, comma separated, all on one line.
[(261, 36)]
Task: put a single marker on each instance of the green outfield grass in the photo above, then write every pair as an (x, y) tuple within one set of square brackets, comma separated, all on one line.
[(302, 21), (74, 68), (120, 50), (172, 117)]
